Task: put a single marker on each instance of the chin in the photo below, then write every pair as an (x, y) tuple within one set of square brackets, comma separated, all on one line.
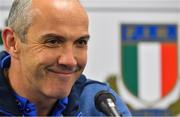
[(57, 94)]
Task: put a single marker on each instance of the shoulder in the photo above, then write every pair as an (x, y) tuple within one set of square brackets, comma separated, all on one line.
[(89, 88), (93, 85)]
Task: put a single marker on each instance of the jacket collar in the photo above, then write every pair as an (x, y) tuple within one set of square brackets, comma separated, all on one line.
[(73, 107), (9, 106)]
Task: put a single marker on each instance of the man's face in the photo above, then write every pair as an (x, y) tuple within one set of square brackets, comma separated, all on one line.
[(55, 53)]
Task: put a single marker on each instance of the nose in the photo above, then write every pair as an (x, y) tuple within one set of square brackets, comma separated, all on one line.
[(67, 58)]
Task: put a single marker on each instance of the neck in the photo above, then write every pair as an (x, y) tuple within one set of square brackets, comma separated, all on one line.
[(44, 108)]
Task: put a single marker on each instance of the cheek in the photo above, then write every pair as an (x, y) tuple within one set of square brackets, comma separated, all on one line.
[(43, 56), (34, 62), (82, 58)]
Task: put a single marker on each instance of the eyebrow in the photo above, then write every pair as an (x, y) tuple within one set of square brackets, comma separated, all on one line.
[(51, 35), (87, 36)]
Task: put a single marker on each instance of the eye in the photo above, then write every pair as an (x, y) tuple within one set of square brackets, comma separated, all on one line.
[(82, 43), (53, 42)]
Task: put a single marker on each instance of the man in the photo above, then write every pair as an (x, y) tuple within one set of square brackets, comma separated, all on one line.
[(46, 53)]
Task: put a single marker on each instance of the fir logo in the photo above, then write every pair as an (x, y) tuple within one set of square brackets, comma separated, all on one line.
[(149, 60)]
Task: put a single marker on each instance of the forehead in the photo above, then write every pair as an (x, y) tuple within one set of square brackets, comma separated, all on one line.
[(58, 6), (59, 10), (65, 17)]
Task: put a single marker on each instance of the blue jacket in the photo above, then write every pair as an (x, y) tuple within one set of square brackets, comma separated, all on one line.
[(80, 100)]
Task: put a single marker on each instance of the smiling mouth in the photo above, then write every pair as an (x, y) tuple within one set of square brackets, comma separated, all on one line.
[(60, 72)]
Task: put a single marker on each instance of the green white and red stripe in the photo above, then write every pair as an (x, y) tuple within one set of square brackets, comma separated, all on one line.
[(149, 69)]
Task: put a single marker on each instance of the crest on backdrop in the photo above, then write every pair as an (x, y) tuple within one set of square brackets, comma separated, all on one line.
[(149, 60)]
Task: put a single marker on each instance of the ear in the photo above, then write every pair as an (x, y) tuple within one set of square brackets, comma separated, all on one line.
[(10, 41)]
